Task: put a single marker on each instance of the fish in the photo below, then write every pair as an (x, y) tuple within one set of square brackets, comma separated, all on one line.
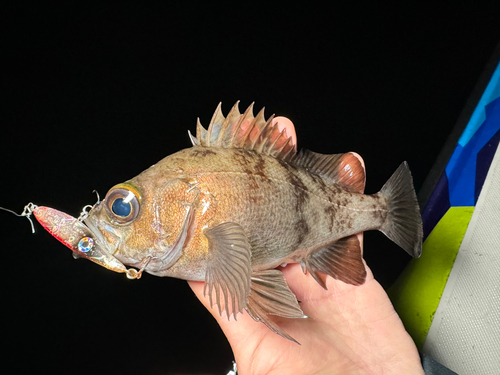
[(235, 206)]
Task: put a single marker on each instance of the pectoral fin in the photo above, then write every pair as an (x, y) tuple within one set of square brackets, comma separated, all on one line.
[(271, 295), (229, 268), (342, 260)]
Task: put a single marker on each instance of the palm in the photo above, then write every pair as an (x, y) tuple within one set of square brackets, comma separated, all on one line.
[(350, 330)]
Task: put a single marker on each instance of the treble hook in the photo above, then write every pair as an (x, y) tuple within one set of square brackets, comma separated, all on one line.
[(86, 209)]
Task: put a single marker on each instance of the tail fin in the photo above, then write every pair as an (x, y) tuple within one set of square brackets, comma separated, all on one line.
[(404, 223)]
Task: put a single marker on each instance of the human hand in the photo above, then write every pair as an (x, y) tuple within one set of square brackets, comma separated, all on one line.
[(350, 330)]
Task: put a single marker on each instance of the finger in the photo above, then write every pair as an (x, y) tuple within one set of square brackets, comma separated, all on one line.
[(359, 158)]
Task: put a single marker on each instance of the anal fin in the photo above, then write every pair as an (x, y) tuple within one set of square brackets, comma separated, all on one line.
[(341, 260), (270, 295)]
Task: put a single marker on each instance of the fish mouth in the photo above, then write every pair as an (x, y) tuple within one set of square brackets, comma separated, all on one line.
[(84, 240)]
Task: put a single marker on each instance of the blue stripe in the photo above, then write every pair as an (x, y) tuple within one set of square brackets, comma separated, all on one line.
[(478, 116)]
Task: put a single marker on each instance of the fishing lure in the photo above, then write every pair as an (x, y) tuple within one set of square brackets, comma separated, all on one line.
[(71, 232)]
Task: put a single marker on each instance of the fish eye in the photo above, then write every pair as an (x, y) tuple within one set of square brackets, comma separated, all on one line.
[(122, 203), (121, 208)]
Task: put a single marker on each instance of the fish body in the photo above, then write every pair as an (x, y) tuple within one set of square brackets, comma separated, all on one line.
[(285, 211), (239, 203)]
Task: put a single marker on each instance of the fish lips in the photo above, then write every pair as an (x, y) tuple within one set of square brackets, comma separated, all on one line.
[(84, 241)]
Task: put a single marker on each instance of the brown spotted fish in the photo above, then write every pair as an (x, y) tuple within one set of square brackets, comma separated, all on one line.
[(236, 205)]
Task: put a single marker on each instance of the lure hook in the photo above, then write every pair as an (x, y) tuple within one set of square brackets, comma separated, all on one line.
[(98, 198), (132, 273), (86, 209), (27, 211)]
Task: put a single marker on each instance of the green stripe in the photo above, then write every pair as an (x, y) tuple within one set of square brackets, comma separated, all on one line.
[(417, 292)]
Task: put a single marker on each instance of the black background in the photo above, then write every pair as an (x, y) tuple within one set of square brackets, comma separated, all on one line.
[(91, 96)]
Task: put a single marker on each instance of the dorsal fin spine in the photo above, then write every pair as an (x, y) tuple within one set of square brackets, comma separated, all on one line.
[(272, 137), (264, 136), (233, 114), (215, 125), (288, 154), (234, 129), (280, 133), (193, 139), (212, 121), (200, 132), (246, 137), (248, 115), (286, 148), (256, 127), (280, 150)]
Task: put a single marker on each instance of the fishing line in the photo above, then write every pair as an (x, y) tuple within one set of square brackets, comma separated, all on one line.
[(28, 210)]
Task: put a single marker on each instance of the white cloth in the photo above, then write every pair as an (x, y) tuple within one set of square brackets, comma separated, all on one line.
[(465, 333)]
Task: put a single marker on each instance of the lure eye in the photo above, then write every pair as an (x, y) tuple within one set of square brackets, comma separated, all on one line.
[(122, 203), (86, 244)]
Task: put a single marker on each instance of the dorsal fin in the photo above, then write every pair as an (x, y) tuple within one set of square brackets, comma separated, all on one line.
[(245, 131), (343, 169)]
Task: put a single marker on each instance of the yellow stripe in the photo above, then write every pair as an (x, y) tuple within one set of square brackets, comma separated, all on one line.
[(417, 292)]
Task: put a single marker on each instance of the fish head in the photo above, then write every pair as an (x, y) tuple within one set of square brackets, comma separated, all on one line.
[(144, 220), (116, 218), (122, 222)]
